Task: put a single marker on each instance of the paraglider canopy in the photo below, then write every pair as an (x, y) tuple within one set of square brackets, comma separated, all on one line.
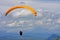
[(26, 7)]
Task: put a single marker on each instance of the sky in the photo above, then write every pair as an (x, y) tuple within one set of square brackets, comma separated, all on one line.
[(46, 22)]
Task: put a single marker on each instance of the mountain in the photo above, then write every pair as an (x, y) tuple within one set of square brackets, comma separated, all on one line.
[(54, 37)]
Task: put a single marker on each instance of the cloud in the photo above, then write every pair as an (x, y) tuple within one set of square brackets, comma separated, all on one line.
[(11, 24), (23, 2), (21, 13), (58, 20), (46, 21), (39, 22)]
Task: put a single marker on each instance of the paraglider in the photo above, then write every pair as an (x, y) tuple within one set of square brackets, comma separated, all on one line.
[(26, 7), (21, 33)]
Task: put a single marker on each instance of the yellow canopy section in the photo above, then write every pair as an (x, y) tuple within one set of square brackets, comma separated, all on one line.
[(26, 7)]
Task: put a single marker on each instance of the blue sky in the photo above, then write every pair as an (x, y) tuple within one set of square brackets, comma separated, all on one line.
[(46, 22)]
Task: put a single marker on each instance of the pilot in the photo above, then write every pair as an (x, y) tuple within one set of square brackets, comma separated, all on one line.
[(21, 33)]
